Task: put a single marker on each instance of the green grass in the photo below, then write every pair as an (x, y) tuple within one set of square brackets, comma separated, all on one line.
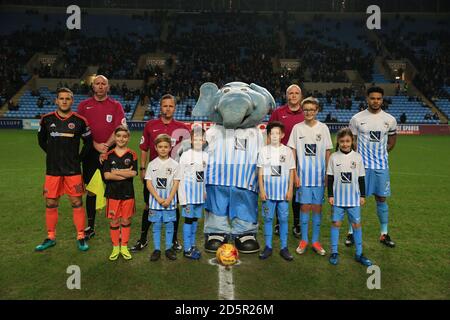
[(418, 268)]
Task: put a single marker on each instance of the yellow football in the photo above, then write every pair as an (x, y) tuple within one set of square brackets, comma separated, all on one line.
[(227, 254)]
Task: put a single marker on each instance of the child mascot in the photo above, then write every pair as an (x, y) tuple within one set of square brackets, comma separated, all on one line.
[(231, 175)]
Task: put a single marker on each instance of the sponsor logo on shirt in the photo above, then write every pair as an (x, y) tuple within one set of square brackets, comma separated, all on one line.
[(346, 177), (275, 171), (310, 149), (89, 107), (161, 183), (200, 176), (240, 144), (61, 134), (375, 136)]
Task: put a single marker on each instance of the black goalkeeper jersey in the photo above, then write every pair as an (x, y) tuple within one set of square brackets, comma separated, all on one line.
[(60, 139), (120, 190)]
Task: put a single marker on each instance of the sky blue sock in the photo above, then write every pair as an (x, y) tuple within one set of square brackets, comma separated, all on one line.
[(334, 239), (268, 232), (169, 234), (316, 221), (283, 233), (187, 233), (383, 216), (357, 235), (157, 235), (304, 221), (193, 232)]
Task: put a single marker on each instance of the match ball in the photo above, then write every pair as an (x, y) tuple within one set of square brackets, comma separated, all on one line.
[(227, 254)]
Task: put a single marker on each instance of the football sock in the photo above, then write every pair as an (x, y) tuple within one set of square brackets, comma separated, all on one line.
[(316, 221), (283, 233), (296, 211), (169, 234), (125, 234), (145, 225), (157, 235), (90, 209), (193, 232), (51, 219), (268, 232), (357, 235), (114, 230), (383, 216), (334, 239), (304, 221), (175, 226), (187, 234), (79, 219)]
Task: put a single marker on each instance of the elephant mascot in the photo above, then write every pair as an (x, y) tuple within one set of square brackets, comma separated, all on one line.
[(231, 174)]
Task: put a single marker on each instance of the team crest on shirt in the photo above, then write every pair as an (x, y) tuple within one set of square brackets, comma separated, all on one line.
[(52, 126), (71, 126), (169, 171), (127, 162), (386, 125), (318, 137), (353, 165), (282, 158), (109, 118)]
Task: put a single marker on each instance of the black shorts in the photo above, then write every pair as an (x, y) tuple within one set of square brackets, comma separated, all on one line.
[(91, 163)]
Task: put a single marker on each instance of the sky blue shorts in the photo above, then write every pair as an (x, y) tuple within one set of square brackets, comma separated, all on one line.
[(354, 214), (269, 207), (232, 202), (378, 182), (192, 210), (310, 195), (162, 215)]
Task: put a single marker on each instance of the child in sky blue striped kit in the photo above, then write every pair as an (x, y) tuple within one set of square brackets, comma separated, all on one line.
[(346, 193)]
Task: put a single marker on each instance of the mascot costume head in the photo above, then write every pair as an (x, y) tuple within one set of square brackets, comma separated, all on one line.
[(231, 174)]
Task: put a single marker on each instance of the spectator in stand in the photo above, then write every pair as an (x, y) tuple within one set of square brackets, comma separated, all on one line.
[(403, 118)]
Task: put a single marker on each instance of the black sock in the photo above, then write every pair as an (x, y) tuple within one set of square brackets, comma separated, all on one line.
[(145, 225), (296, 212), (90, 210), (175, 226)]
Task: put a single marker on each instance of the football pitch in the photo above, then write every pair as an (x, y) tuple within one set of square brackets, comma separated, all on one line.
[(418, 268)]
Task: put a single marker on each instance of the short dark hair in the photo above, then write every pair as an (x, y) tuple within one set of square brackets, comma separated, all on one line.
[(63, 89), (168, 96), (274, 124), (375, 89)]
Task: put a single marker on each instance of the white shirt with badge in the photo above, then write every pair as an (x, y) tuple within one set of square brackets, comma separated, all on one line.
[(191, 174), (372, 131), (276, 163), (162, 173), (346, 169), (311, 144)]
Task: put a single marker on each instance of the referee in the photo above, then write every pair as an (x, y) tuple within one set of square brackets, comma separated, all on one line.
[(104, 115)]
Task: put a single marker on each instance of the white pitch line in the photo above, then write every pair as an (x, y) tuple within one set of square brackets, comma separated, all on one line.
[(226, 284)]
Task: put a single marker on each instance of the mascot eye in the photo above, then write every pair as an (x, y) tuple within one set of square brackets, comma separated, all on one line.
[(244, 89), (226, 90)]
